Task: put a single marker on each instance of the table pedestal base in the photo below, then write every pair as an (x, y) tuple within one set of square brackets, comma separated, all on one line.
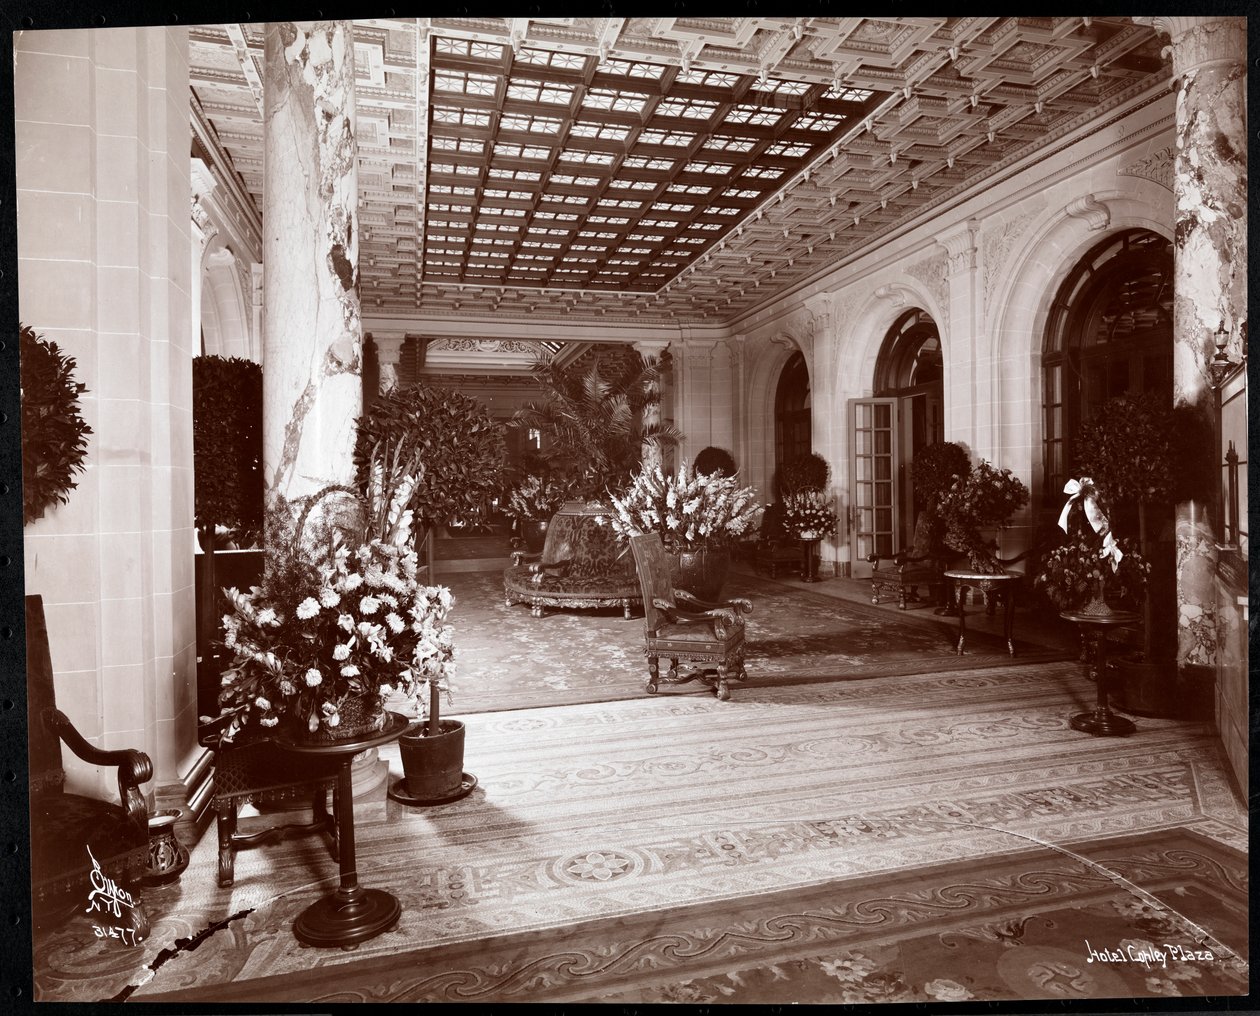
[(347, 917), (1102, 723)]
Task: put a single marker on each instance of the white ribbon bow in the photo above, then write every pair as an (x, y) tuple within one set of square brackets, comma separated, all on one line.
[(1092, 512), (1084, 489)]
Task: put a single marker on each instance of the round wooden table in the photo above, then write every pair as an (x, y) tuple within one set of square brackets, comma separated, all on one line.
[(351, 914), (1000, 584), (1100, 721)]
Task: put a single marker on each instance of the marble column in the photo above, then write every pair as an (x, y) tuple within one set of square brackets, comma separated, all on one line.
[(651, 349), (312, 333), (1210, 279), (388, 355)]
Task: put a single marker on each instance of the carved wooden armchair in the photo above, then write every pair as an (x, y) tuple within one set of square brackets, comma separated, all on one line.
[(70, 834), (904, 572), (708, 635)]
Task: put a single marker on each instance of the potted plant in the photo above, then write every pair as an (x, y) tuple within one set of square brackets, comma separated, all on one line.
[(457, 449), (54, 434), (592, 415), (532, 503), (808, 517), (697, 516), (714, 460), (934, 469), (984, 498), (339, 619), (805, 472), (1129, 447)]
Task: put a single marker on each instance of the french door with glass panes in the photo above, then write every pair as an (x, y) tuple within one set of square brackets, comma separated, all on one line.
[(873, 467)]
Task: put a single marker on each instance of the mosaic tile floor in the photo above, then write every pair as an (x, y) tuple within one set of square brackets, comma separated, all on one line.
[(680, 813)]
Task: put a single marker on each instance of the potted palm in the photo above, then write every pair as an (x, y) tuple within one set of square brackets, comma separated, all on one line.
[(697, 515), (592, 416)]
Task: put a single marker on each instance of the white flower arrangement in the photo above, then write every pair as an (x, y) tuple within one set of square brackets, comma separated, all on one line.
[(535, 498), (687, 509), (808, 515), (305, 640)]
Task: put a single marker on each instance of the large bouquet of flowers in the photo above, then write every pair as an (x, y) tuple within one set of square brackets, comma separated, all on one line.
[(535, 498), (340, 619), (984, 498), (689, 510), (808, 515), (1093, 560)]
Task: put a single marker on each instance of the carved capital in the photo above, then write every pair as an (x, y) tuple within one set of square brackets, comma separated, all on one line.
[(1095, 213), (960, 248), (388, 346), (1198, 42), (648, 348), (823, 308)]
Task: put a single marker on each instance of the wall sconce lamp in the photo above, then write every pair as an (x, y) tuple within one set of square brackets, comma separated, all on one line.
[(1221, 368)]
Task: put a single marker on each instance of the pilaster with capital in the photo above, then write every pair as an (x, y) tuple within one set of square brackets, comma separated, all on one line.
[(827, 437), (968, 381), (388, 356)]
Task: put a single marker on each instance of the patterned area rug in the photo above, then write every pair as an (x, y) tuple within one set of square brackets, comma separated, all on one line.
[(509, 659), (682, 816)]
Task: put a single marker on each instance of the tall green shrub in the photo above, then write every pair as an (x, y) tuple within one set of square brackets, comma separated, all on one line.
[(457, 450), (805, 472), (227, 442), (54, 434)]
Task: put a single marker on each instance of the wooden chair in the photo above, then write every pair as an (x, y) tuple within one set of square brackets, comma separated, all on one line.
[(708, 635), (73, 835), (906, 571)]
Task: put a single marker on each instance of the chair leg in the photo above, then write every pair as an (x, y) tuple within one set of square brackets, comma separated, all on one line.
[(625, 610), (227, 850), (901, 598), (874, 596), (673, 668), (723, 692), (654, 674)]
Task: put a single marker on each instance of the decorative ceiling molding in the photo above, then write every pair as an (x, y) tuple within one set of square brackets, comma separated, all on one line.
[(949, 101)]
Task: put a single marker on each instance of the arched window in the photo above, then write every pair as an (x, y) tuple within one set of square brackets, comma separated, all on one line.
[(792, 411), (1109, 332), (910, 356)]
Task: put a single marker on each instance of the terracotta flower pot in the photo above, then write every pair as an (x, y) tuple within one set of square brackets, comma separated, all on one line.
[(434, 766)]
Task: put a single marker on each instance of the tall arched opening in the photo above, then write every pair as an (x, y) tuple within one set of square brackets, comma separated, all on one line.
[(906, 413), (792, 415)]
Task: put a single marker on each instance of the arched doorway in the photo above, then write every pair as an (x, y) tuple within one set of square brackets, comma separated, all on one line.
[(906, 413), (792, 418), (1109, 332)]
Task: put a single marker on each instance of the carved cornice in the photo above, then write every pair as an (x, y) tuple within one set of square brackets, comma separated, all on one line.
[(1095, 213)]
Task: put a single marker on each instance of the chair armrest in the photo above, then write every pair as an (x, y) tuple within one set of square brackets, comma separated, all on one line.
[(736, 604), (520, 557), (134, 767)]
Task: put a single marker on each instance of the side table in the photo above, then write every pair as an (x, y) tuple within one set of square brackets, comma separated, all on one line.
[(809, 563), (351, 914), (1100, 721), (1000, 584)]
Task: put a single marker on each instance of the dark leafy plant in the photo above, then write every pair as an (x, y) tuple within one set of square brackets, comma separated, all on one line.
[(805, 472), (592, 419), (54, 434), (985, 497), (227, 442), (458, 449), (1129, 445), (935, 468), (1079, 569), (715, 460)]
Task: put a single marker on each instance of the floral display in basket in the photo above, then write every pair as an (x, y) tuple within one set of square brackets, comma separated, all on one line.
[(808, 515), (339, 620), (535, 499), (689, 510), (984, 498), (1079, 573)]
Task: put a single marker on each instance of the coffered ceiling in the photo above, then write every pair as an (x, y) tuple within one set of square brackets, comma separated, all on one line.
[(680, 167)]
